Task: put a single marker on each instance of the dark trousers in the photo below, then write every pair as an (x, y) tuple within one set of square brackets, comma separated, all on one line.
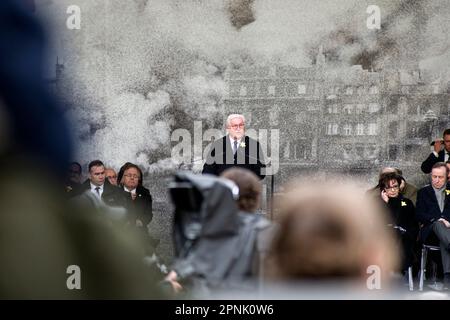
[(443, 234)]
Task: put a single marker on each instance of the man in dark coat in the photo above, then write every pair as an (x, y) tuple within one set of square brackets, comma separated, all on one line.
[(438, 155), (235, 150), (100, 187), (433, 211)]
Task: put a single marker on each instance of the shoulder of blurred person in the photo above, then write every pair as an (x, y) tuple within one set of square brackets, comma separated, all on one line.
[(42, 235), (329, 235), (113, 195), (373, 192)]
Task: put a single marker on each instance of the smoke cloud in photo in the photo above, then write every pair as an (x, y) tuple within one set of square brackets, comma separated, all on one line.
[(141, 69)]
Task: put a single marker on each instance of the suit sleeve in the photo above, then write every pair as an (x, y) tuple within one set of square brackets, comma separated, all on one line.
[(429, 163), (422, 211), (411, 223), (148, 213), (261, 162), (210, 165)]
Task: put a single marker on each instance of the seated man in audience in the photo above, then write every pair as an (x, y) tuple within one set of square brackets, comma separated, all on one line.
[(100, 187), (433, 211)]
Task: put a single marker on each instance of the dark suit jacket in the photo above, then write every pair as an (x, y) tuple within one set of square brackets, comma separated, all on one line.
[(111, 196), (431, 160), (427, 210), (141, 207), (220, 157)]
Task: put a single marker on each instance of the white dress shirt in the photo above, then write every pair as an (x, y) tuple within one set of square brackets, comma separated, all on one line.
[(232, 143), (93, 186)]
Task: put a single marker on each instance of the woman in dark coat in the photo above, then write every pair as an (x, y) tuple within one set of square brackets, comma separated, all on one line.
[(401, 215), (139, 202)]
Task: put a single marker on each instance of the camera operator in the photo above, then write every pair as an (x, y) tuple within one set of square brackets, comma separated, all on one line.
[(215, 243)]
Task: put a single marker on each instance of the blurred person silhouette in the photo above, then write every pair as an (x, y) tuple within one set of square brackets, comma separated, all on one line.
[(249, 201), (25, 103), (249, 185), (329, 237), (73, 179), (44, 239), (215, 244)]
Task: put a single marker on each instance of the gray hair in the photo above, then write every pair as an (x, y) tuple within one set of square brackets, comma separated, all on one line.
[(233, 116)]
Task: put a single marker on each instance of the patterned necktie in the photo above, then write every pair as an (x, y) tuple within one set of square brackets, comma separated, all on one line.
[(97, 189), (235, 146)]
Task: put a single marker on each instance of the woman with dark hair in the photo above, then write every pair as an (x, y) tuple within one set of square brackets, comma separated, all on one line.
[(139, 202), (401, 214)]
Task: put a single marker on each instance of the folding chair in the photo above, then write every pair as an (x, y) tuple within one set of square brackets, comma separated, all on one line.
[(423, 262)]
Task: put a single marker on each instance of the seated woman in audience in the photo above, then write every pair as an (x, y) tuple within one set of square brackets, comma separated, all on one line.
[(401, 215), (139, 201)]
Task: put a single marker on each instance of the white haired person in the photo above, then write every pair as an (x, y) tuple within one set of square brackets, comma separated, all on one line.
[(235, 150)]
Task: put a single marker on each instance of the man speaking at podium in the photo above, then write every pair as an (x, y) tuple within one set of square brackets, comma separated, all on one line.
[(235, 150)]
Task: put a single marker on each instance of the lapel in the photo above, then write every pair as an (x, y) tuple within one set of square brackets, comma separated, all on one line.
[(446, 199), (241, 149), (442, 155), (228, 157), (433, 198), (228, 147)]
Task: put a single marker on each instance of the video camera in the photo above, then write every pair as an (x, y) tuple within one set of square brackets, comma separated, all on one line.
[(190, 195)]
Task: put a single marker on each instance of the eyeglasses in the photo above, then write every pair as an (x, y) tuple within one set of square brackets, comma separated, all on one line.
[(235, 126), (394, 188), (131, 176)]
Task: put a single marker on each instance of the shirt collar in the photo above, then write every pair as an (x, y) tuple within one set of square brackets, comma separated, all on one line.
[(131, 191), (93, 186), (232, 141)]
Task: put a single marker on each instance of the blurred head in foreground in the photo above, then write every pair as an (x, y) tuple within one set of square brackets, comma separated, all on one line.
[(249, 185), (330, 232)]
